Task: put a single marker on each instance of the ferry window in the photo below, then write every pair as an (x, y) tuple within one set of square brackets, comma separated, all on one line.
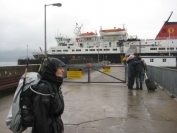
[(164, 60), (101, 49), (58, 50), (170, 48), (86, 49), (88, 38), (64, 44), (92, 50), (161, 48), (78, 49), (53, 50), (153, 48), (117, 44), (73, 50), (151, 60), (71, 44), (65, 50), (114, 49), (109, 44), (106, 49), (68, 40)]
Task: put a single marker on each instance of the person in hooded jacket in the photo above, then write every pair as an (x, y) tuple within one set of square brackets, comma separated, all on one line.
[(132, 62), (139, 72), (48, 109)]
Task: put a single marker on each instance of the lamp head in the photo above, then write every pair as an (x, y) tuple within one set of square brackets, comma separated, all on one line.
[(57, 4)]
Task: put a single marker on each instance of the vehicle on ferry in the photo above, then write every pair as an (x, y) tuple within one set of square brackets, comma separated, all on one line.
[(113, 44)]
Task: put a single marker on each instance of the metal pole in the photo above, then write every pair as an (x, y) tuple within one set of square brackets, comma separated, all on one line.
[(27, 51), (88, 74), (125, 73), (45, 44), (169, 44), (139, 46), (103, 53), (98, 54)]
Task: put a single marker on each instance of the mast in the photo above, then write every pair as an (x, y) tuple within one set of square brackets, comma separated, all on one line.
[(169, 17)]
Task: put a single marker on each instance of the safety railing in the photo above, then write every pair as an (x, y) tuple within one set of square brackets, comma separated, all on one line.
[(164, 77)]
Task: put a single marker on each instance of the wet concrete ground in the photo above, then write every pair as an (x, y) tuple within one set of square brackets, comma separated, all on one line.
[(110, 108)]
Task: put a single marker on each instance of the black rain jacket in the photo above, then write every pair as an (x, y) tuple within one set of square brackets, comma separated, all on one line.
[(48, 109)]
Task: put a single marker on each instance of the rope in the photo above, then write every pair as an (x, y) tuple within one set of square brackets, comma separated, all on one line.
[(40, 93)]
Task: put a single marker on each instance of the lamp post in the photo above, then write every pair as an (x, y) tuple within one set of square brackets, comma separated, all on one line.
[(45, 42), (98, 52), (169, 44), (27, 51)]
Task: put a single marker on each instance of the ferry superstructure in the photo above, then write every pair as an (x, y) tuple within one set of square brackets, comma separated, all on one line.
[(112, 44)]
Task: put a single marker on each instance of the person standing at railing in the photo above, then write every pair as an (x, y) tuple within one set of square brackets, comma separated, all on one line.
[(140, 68), (132, 62)]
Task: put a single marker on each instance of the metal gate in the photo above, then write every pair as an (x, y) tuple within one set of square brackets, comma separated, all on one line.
[(98, 74)]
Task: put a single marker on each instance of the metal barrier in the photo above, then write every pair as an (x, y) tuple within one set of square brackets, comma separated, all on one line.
[(94, 74), (10, 75), (164, 77)]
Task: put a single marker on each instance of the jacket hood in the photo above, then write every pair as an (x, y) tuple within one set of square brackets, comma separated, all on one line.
[(49, 69)]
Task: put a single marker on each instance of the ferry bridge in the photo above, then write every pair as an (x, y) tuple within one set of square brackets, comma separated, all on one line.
[(102, 103)]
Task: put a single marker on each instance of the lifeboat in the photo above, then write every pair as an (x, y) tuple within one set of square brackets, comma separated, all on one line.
[(118, 31), (88, 34)]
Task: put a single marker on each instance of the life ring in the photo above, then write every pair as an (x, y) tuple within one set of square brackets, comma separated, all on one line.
[(170, 30)]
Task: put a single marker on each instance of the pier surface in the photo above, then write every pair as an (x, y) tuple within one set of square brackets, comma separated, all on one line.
[(110, 108)]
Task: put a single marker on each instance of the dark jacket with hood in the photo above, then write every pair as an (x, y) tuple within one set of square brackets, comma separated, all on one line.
[(48, 109), (131, 66), (140, 67)]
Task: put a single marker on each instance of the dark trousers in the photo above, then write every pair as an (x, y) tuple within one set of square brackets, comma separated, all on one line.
[(131, 82), (139, 81)]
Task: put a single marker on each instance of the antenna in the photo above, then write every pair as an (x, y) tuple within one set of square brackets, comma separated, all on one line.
[(77, 29), (169, 16)]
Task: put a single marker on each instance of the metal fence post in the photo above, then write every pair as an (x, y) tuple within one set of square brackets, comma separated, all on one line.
[(125, 73), (88, 74)]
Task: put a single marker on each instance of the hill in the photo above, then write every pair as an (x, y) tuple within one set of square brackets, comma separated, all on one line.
[(14, 55)]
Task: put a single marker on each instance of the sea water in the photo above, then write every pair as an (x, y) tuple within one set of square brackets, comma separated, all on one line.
[(8, 63)]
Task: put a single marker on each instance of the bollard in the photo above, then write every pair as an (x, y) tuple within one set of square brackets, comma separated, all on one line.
[(89, 67)]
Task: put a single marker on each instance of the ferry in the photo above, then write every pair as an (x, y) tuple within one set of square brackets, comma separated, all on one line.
[(113, 44)]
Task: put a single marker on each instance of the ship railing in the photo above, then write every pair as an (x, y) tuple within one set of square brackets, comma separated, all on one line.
[(164, 38)]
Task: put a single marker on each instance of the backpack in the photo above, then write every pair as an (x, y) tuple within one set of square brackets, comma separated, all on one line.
[(21, 113)]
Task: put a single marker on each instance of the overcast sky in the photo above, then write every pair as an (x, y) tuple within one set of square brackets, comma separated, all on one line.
[(22, 21)]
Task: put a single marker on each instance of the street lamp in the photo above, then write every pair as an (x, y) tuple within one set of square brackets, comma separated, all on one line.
[(55, 4), (27, 51)]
